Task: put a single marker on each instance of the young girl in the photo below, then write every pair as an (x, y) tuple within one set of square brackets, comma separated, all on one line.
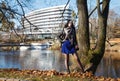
[(69, 44)]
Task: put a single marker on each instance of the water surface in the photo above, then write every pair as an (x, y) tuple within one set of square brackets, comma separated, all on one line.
[(47, 60)]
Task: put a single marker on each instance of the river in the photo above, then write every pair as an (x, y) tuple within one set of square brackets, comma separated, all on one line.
[(48, 60)]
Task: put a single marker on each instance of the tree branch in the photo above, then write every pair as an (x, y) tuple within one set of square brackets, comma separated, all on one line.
[(93, 10), (105, 6), (25, 16), (65, 7), (98, 8)]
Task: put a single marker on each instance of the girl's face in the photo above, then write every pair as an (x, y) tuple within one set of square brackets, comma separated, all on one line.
[(70, 24)]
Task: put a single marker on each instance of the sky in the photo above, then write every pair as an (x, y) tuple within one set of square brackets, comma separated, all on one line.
[(39, 4)]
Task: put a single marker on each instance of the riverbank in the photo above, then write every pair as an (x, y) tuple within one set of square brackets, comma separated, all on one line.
[(51, 75), (113, 45)]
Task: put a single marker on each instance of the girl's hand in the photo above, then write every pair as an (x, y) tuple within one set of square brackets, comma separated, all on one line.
[(76, 47), (63, 40)]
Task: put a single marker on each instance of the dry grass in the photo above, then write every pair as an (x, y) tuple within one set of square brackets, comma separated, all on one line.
[(51, 75)]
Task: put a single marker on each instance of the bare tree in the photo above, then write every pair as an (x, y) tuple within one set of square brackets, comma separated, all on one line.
[(93, 57), (11, 12), (112, 24)]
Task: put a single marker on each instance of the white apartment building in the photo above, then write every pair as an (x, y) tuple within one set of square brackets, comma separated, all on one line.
[(46, 22)]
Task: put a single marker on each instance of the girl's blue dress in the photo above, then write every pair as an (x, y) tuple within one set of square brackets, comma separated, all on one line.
[(67, 48)]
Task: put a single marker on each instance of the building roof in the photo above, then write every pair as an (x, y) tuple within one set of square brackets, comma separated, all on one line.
[(49, 9)]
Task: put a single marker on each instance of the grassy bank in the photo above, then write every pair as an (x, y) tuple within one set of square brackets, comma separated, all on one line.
[(36, 75), (111, 45)]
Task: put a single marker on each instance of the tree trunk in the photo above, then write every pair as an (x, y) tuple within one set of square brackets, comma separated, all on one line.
[(92, 56), (83, 27), (102, 26)]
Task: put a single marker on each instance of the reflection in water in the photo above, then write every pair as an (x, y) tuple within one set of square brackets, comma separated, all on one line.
[(47, 60), (41, 60), (9, 60), (110, 65)]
